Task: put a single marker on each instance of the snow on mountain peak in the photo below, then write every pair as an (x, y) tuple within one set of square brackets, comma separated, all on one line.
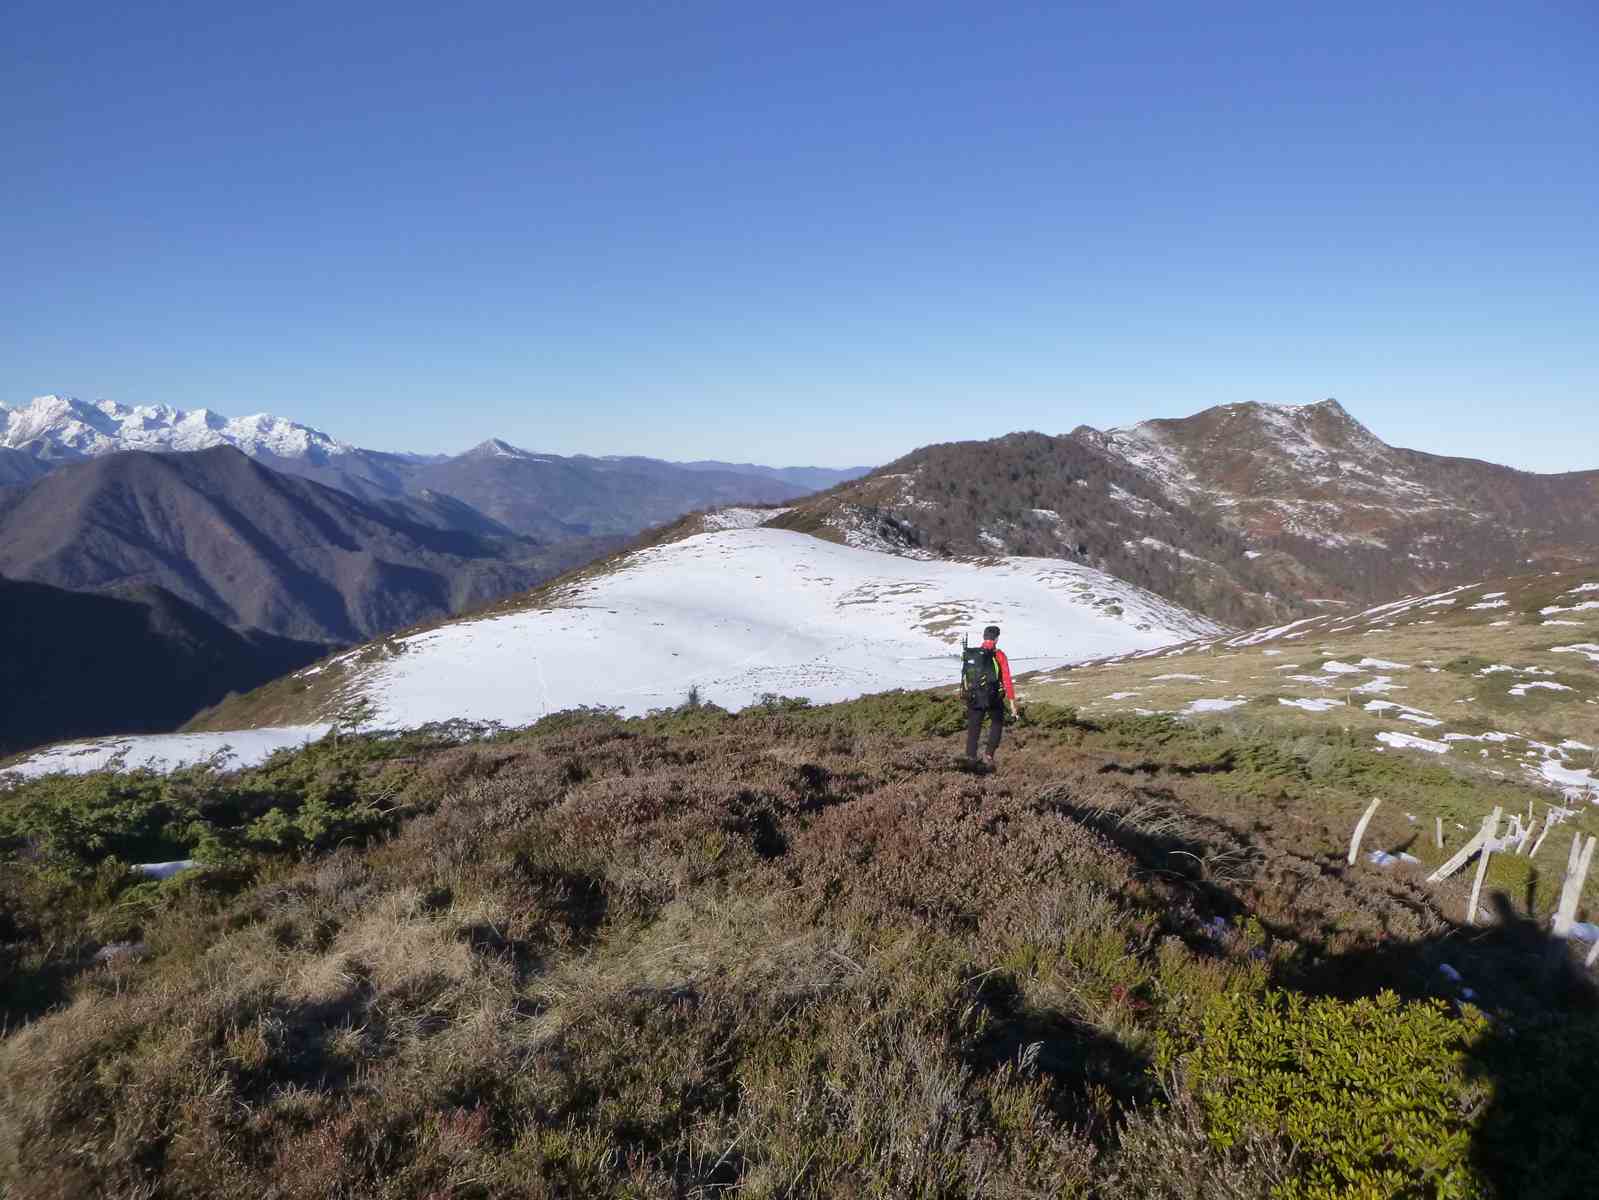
[(68, 427), (498, 448), (1297, 469)]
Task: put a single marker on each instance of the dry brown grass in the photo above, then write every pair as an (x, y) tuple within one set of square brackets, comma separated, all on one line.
[(1445, 651)]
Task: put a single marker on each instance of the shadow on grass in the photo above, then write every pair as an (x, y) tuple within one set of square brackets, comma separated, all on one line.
[(1092, 1077), (1537, 1050), (1537, 1054), (28, 993)]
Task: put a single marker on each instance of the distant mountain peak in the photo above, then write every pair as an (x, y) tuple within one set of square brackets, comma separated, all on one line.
[(497, 448)]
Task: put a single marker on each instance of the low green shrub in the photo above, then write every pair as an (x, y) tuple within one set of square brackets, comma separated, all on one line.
[(1376, 1096), (314, 796), (772, 702), (1058, 717), (897, 713), (73, 822)]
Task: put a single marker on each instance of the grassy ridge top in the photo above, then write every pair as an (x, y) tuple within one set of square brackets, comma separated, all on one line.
[(789, 952), (1505, 674)]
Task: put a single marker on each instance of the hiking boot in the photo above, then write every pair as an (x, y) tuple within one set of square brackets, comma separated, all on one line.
[(988, 762)]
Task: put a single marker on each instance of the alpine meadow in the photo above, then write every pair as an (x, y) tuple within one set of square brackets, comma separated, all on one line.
[(775, 602)]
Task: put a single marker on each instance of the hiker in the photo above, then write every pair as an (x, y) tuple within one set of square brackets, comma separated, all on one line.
[(987, 687)]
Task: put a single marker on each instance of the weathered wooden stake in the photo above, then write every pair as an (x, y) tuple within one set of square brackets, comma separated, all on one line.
[(1538, 845), (1521, 846), (1438, 833), (1490, 825), (1593, 954), (1482, 869), (1571, 891), (1360, 829), (1577, 864)]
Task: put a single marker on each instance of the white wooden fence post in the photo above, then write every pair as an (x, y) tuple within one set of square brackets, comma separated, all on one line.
[(1577, 865), (1526, 838), (1438, 833), (1360, 829), (1538, 845), (1490, 826), (1488, 832)]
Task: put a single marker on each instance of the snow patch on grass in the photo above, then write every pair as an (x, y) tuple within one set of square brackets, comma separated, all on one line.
[(1578, 784), (1311, 705), (1583, 607), (1589, 649), (1207, 706), (1407, 741)]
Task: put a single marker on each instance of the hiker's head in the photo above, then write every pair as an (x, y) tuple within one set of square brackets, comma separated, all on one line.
[(991, 634)]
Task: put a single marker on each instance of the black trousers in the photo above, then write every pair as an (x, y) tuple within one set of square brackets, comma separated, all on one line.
[(974, 727)]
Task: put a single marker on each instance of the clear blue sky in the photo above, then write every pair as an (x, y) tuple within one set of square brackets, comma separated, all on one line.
[(808, 233)]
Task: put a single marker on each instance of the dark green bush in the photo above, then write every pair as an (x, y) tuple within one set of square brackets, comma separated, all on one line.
[(75, 821), (1376, 1096), (312, 797), (1044, 715)]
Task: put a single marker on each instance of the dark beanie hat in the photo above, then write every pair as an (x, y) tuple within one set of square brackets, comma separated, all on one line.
[(991, 633)]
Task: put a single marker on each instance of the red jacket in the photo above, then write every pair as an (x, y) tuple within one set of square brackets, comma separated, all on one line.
[(1004, 670)]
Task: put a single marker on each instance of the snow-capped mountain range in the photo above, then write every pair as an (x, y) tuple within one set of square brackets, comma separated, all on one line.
[(64, 427), (58, 428), (551, 497)]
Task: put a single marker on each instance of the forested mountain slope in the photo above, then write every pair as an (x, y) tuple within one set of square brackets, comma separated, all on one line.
[(1247, 513), (75, 665), (258, 549)]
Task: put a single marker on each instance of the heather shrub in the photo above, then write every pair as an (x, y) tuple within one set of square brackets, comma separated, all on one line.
[(786, 952)]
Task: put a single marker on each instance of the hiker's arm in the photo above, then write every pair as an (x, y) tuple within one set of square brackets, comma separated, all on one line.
[(1005, 679)]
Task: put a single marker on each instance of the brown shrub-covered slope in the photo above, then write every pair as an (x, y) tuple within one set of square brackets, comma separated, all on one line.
[(1244, 512), (788, 953)]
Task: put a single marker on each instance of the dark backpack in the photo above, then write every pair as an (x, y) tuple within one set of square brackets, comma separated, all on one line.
[(980, 677)]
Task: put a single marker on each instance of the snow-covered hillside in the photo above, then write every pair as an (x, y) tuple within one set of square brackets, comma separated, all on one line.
[(66, 427), (735, 614), (745, 612), (167, 751)]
